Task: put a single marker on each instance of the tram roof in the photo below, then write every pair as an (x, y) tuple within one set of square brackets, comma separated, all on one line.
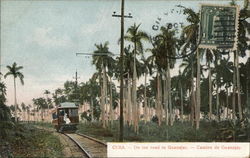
[(67, 105)]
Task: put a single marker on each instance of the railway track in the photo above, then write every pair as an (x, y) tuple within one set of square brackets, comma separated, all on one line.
[(90, 146)]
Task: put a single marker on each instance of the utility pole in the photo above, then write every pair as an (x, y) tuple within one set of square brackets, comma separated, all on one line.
[(76, 84), (121, 67), (76, 81)]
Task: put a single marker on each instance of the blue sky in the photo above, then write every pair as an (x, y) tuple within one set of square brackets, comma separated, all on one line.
[(43, 36)]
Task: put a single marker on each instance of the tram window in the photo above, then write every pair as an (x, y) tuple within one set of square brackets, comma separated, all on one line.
[(54, 115), (61, 112), (73, 112)]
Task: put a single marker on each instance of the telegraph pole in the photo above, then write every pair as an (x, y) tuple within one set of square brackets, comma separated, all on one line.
[(76, 79), (121, 66), (76, 94)]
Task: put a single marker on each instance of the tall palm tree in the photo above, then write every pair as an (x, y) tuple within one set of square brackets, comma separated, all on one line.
[(189, 70), (147, 69), (209, 59), (244, 31), (135, 36), (14, 71), (245, 83), (102, 60), (191, 34), (178, 85), (164, 45), (168, 47), (223, 78)]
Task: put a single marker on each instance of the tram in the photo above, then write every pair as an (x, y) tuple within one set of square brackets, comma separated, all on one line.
[(65, 117)]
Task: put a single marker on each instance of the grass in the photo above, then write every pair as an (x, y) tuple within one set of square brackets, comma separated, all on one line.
[(96, 130), (43, 124), (179, 132), (27, 141)]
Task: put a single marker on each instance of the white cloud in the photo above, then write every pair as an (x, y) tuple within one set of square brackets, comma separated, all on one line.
[(45, 38)]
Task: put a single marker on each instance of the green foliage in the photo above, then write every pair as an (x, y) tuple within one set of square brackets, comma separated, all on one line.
[(85, 116), (234, 131), (43, 124), (14, 71), (27, 141), (2, 92), (179, 132), (40, 103), (5, 115), (102, 57)]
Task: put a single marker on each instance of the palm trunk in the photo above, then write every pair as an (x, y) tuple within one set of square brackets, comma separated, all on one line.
[(24, 115), (134, 96), (102, 102), (227, 102), (217, 103), (198, 102), (15, 101), (48, 105), (105, 97), (181, 103), (247, 95), (158, 100), (234, 89), (193, 103), (111, 104), (210, 91), (169, 94), (166, 98), (28, 113), (238, 85), (125, 103), (130, 108), (145, 98)]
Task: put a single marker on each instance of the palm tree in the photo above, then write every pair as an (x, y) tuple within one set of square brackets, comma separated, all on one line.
[(23, 106), (41, 104), (147, 69), (191, 34), (245, 83), (179, 83), (135, 36), (28, 111), (189, 70), (102, 60), (47, 92), (209, 59), (168, 46), (244, 30), (14, 71)]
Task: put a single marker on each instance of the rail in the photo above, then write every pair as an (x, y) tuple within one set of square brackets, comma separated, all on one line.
[(90, 146)]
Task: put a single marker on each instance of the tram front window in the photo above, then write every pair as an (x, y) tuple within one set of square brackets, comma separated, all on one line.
[(61, 112), (73, 112)]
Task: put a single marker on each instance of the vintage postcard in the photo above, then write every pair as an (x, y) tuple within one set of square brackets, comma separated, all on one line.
[(125, 78)]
